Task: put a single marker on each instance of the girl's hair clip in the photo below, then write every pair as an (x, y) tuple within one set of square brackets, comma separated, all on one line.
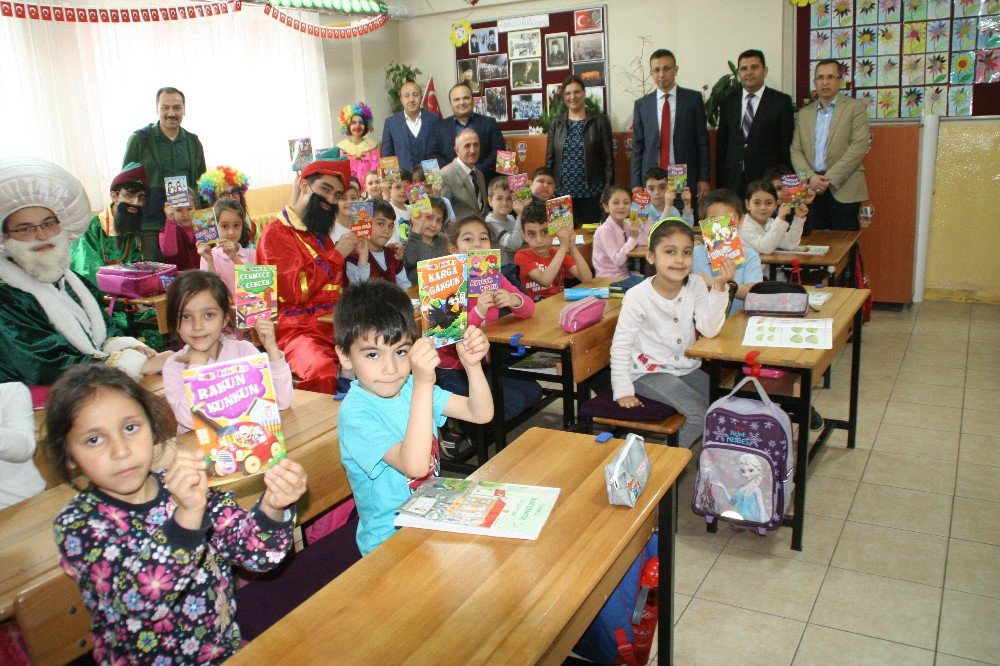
[(649, 238)]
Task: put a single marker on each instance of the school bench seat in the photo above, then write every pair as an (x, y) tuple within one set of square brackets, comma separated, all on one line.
[(652, 417), (54, 622)]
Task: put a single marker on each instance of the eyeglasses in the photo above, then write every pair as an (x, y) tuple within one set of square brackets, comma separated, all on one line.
[(31, 230)]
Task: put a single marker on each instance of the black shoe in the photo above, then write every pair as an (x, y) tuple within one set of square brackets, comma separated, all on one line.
[(815, 420), (452, 443)]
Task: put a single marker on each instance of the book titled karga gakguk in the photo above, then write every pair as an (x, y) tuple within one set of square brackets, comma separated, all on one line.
[(443, 290)]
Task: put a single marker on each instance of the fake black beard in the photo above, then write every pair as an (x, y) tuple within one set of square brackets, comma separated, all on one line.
[(127, 223), (317, 220)]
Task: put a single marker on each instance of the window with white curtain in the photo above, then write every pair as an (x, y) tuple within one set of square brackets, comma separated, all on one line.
[(73, 93)]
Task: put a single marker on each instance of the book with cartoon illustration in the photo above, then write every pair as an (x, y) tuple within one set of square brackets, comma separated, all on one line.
[(640, 203), (389, 168), (793, 190), (519, 189), (788, 332), (256, 294), (506, 162), (205, 229), (362, 213), (549, 363), (484, 271), (420, 207), (432, 172), (301, 153), (722, 240), (443, 290), (559, 213), (237, 424), (177, 191), (677, 177)]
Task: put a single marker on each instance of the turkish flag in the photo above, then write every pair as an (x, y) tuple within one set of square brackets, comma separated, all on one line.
[(105, 17), (6, 9), (144, 13), (295, 24), (58, 14), (33, 11), (430, 101), (46, 13), (185, 12), (201, 11), (93, 16), (172, 11), (216, 10), (238, 5), (114, 15), (72, 15), (224, 7), (126, 16), (267, 9), (136, 16)]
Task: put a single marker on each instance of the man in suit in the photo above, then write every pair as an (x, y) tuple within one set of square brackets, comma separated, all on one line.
[(409, 134), (461, 182), (830, 143), (680, 109), (755, 127), (486, 128)]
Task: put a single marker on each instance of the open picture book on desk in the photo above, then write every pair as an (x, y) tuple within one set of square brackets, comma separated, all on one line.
[(479, 507), (788, 332)]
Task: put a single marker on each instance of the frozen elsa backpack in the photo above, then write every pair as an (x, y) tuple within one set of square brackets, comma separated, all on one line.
[(747, 462)]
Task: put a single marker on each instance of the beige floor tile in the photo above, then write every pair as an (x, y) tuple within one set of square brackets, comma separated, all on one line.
[(693, 561), (920, 416), (980, 423), (983, 333), (976, 520), (922, 442), (899, 471), (711, 633), (945, 358), (979, 450), (985, 311), (973, 567), (681, 602), (928, 374), (979, 482), (822, 646), (818, 542), (982, 379), (692, 526), (969, 626), (955, 329), (942, 659), (928, 394), (887, 608), (864, 437), (941, 308), (981, 399), (922, 340), (829, 497), (840, 463), (868, 410), (981, 360), (883, 551), (902, 509), (794, 584)]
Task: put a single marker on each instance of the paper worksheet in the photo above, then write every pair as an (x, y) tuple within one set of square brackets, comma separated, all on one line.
[(787, 332)]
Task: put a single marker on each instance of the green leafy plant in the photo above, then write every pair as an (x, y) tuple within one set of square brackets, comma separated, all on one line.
[(591, 102), (725, 85), (396, 74)]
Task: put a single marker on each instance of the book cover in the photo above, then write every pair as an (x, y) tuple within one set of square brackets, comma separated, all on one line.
[(549, 363), (362, 213), (793, 190), (443, 289), (484, 271), (479, 507), (415, 192), (236, 418), (559, 213), (677, 177), (506, 162), (640, 202), (519, 189), (432, 172), (722, 239), (389, 168), (177, 191), (301, 152), (420, 207), (256, 294), (205, 229)]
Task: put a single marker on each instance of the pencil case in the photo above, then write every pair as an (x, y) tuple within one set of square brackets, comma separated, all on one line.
[(581, 314), (138, 280), (580, 293), (772, 298)]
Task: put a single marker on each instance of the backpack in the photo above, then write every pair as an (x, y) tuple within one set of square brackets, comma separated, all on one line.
[(747, 462)]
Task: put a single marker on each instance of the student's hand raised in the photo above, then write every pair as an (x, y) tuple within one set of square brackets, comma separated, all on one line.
[(435, 189), (686, 197), (473, 346), (417, 224), (265, 331), (204, 249), (424, 360), (347, 244), (519, 205), (566, 236), (634, 227), (668, 200), (726, 273), (801, 211), (231, 249), (187, 482), (285, 483)]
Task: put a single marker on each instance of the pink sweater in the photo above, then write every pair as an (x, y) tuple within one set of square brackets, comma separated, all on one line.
[(173, 379), (449, 354), (224, 266), (611, 247)]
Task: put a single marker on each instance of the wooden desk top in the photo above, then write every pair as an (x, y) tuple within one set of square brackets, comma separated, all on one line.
[(727, 345), (437, 597), (840, 243)]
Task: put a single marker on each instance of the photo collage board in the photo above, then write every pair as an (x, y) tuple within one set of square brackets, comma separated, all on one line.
[(908, 58), (516, 65)]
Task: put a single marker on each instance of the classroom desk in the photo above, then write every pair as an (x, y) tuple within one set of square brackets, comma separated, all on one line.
[(436, 597), (27, 548), (158, 301), (583, 353), (727, 351), (843, 248)]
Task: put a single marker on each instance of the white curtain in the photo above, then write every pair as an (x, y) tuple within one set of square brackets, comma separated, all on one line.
[(73, 93)]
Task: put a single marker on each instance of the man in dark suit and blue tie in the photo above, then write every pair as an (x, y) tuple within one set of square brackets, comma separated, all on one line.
[(680, 110), (755, 127), (409, 134)]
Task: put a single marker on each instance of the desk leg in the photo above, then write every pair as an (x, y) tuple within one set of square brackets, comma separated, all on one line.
[(802, 460), (497, 352), (852, 422), (568, 388), (714, 393), (667, 524)]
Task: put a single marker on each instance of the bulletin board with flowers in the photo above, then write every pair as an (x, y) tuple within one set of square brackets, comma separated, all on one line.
[(906, 58)]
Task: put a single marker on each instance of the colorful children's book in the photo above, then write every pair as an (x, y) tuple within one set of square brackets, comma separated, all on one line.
[(559, 213), (362, 213), (443, 288), (506, 162), (432, 172), (484, 271), (640, 201), (301, 152), (549, 363), (519, 189), (389, 167), (205, 229), (793, 190), (256, 294), (722, 239), (789, 332), (415, 192), (677, 177), (479, 507), (177, 191), (236, 418), (420, 207)]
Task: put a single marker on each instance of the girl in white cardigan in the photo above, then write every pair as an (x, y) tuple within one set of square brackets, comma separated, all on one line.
[(765, 233)]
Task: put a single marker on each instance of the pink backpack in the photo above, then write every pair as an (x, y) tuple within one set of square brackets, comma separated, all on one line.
[(138, 280)]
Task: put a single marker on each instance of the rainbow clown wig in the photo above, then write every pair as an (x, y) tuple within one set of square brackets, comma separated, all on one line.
[(351, 110), (221, 179)]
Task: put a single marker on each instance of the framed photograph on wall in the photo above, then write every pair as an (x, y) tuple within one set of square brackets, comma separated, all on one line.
[(553, 94), (598, 94), (493, 67), (483, 40), (556, 51), (526, 106), (524, 44), (468, 72), (587, 47), (588, 20), (479, 105), (591, 73), (526, 74), (496, 104)]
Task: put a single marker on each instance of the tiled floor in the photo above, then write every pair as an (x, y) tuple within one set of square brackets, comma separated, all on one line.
[(901, 563)]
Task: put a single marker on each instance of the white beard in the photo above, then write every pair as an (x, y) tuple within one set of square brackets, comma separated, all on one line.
[(47, 266)]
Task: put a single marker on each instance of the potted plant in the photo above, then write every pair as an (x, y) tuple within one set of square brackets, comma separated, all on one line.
[(396, 74), (725, 85)]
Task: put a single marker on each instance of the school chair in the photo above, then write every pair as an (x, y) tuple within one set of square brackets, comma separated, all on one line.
[(54, 622), (653, 417)]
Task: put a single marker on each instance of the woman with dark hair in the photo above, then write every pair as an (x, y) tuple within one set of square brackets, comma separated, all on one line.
[(579, 152)]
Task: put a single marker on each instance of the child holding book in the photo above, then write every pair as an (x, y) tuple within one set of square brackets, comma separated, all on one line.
[(662, 202), (506, 227), (177, 244), (153, 551), (425, 240), (420, 178), (388, 422), (765, 233), (374, 259), (542, 271), (657, 324), (342, 222), (231, 250), (199, 313), (395, 193), (617, 235)]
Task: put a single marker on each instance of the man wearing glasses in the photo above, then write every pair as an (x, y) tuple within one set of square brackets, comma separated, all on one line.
[(311, 269)]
